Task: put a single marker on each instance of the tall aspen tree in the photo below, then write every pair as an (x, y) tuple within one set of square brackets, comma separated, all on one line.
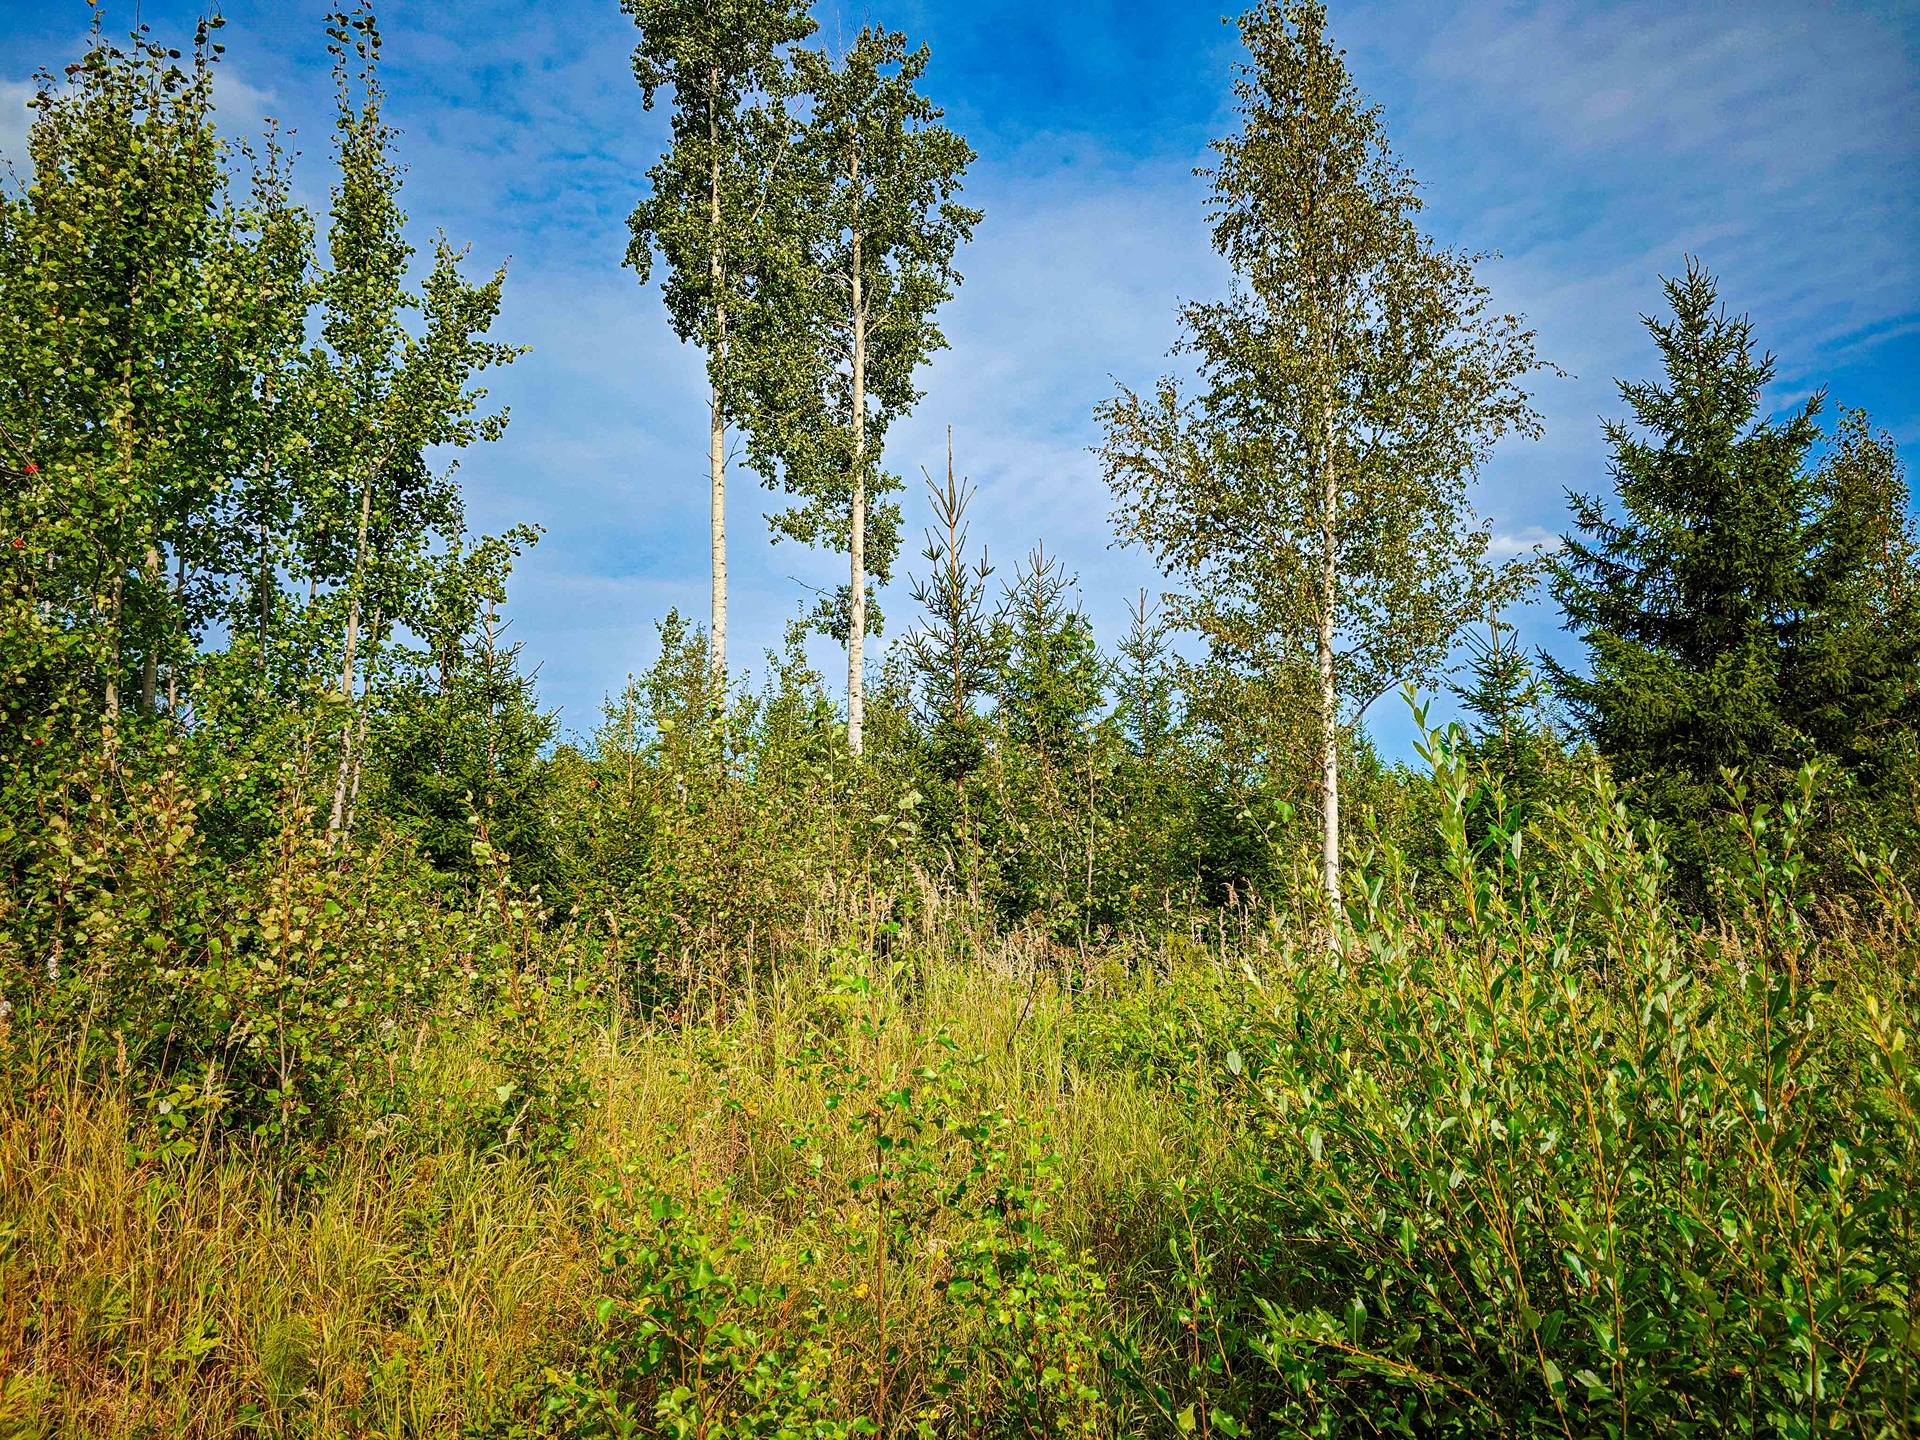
[(384, 396), (881, 175), (113, 375), (716, 201)]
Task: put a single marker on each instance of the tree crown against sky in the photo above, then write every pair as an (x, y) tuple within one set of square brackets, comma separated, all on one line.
[(1312, 495), (559, 144)]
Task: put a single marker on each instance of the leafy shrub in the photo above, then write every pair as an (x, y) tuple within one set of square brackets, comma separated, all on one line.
[(257, 995), (1034, 1315), (1550, 1163), (686, 1344), (542, 1096)]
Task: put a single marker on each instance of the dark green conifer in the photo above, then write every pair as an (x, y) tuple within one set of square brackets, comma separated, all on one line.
[(1685, 599), (1504, 694), (1851, 669), (1743, 608)]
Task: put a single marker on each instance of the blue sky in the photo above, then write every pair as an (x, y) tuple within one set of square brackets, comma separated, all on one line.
[(1593, 144)]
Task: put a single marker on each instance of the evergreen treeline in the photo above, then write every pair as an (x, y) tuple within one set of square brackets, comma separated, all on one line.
[(1036, 1032)]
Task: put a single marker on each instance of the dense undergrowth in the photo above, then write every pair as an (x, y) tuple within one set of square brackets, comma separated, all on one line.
[(1516, 1148)]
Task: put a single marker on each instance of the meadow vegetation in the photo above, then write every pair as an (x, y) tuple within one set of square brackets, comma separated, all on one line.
[(1106, 1040), (1527, 1151)]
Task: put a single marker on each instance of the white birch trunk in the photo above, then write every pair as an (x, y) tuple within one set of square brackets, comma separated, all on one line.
[(114, 603), (857, 538), (150, 662), (717, 423), (1329, 690), (717, 519)]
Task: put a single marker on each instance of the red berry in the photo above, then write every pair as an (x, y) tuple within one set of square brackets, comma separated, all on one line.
[(18, 543), (32, 468)]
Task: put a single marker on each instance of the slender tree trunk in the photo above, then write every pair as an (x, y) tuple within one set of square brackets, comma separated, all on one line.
[(717, 423), (717, 509), (150, 662), (956, 579), (115, 601), (1086, 898), (857, 537), (173, 661), (344, 776), (118, 601), (265, 582), (493, 718), (360, 736), (353, 601), (1329, 692), (264, 600)]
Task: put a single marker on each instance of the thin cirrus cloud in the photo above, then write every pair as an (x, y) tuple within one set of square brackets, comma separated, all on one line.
[(1777, 138), (1593, 144), (14, 115)]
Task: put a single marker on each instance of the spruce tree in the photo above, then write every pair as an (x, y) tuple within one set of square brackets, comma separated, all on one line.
[(461, 743), (951, 651), (1053, 756), (1851, 669), (1504, 694), (1149, 856), (1052, 676), (951, 657), (1144, 679), (1690, 595)]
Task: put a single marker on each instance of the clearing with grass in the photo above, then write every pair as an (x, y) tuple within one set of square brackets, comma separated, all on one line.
[(1028, 1031)]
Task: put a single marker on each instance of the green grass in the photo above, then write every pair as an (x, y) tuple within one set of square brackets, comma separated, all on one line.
[(1529, 1154), (412, 1282)]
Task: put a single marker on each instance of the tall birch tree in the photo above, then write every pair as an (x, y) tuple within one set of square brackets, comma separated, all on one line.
[(716, 199), (114, 386), (273, 276), (880, 179), (385, 396), (1313, 488)]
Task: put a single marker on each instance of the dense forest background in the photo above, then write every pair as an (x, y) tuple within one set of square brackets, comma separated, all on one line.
[(966, 1018)]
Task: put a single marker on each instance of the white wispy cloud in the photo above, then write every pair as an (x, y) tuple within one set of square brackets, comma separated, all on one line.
[(14, 118), (1527, 540)]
